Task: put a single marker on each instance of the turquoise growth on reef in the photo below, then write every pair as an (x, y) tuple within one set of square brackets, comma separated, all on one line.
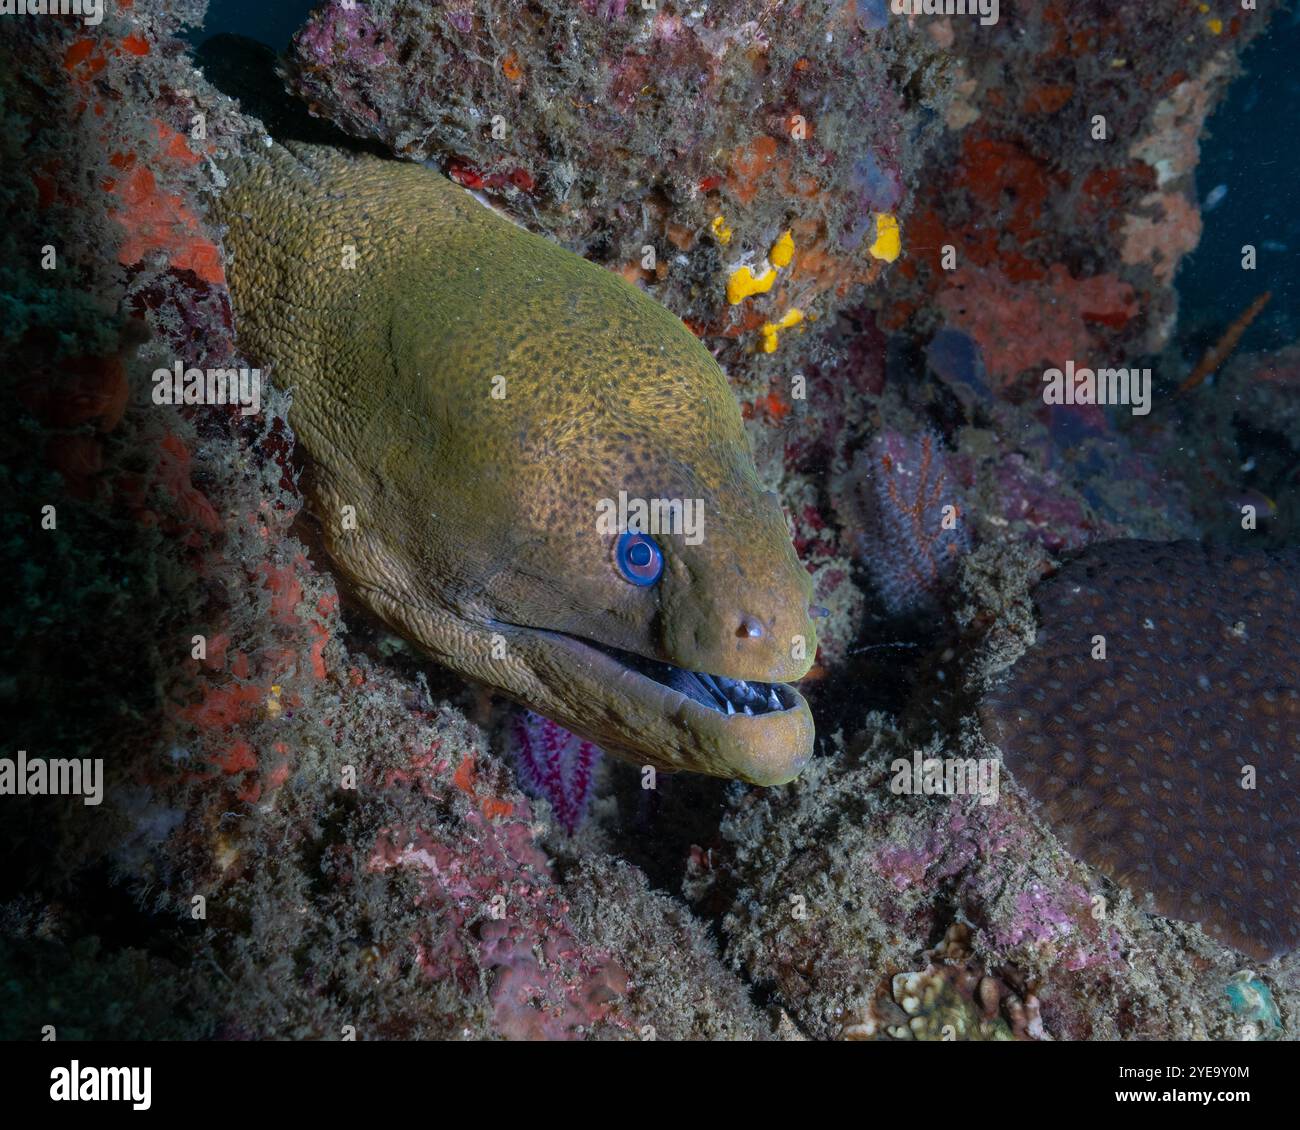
[(1253, 1005)]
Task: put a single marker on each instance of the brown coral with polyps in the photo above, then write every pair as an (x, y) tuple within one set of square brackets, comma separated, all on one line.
[(1156, 720)]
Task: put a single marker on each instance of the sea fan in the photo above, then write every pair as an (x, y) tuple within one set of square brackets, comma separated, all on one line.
[(555, 765)]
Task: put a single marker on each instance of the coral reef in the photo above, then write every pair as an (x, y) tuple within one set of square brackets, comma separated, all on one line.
[(1054, 210), (545, 985), (1035, 326), (952, 999), (1155, 719), (305, 836), (744, 163), (828, 889), (294, 842)]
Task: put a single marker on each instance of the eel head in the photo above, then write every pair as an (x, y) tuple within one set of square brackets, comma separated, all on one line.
[(513, 552), (476, 400)]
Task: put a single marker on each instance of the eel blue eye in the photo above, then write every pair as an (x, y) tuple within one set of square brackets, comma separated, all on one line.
[(639, 559)]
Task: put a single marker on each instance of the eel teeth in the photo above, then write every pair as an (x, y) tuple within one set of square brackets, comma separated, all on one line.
[(712, 691), (712, 687)]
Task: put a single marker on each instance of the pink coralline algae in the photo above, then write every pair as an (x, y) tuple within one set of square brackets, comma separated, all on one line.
[(1063, 919), (555, 765), (342, 33), (919, 852), (495, 909), (948, 847), (912, 527)]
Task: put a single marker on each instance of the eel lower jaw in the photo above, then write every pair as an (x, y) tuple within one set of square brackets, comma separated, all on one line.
[(651, 712)]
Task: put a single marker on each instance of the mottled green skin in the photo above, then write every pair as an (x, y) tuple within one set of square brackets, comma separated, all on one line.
[(475, 516)]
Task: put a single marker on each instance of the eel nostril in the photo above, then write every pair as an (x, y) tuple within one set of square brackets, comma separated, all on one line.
[(749, 628)]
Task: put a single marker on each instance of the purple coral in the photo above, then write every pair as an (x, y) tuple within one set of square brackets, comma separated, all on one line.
[(341, 33), (555, 765), (912, 527)]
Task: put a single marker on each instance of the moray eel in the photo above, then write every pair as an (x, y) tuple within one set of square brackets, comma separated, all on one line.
[(468, 393)]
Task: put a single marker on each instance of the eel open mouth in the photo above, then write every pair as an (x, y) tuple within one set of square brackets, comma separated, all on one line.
[(647, 711), (718, 693)]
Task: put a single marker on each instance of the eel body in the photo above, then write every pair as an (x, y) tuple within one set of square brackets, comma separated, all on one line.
[(471, 396)]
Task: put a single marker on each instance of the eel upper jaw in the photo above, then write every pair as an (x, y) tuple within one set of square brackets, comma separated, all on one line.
[(758, 732)]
